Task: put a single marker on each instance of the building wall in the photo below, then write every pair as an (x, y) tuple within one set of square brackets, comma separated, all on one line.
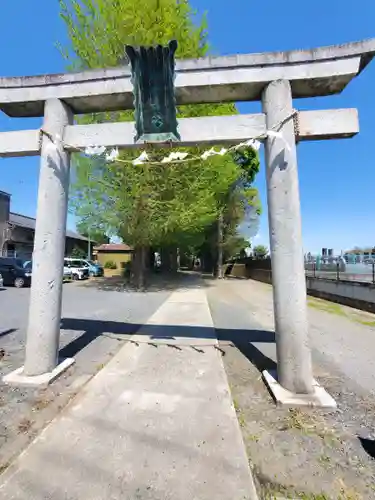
[(4, 217), (22, 244), (119, 257), (18, 241), (71, 244)]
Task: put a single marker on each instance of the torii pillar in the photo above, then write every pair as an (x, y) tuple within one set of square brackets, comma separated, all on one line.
[(294, 367), (43, 332)]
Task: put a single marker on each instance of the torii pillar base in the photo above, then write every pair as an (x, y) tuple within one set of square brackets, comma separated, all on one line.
[(18, 377), (319, 398)]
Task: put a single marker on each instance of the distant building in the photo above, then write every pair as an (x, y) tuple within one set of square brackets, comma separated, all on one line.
[(360, 255), (119, 254), (17, 233)]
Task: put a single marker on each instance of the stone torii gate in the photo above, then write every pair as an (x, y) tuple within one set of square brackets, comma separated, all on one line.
[(275, 79)]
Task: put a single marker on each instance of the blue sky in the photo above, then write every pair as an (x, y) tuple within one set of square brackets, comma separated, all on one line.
[(337, 178)]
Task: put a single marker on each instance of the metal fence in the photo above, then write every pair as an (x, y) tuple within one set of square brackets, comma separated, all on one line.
[(339, 275)]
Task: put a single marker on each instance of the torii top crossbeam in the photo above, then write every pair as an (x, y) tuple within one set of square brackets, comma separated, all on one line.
[(315, 72)]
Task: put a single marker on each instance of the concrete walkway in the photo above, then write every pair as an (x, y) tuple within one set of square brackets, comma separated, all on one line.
[(156, 423)]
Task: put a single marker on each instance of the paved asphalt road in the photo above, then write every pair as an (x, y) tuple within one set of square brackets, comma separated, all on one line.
[(83, 309)]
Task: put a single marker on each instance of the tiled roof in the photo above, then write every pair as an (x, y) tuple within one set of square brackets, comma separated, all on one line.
[(108, 247), (29, 223)]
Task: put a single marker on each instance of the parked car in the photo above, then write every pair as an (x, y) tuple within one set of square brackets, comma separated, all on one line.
[(68, 275), (12, 260), (13, 273), (77, 267), (1, 281), (28, 264), (95, 268)]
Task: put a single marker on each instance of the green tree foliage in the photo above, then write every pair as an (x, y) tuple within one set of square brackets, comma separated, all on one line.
[(78, 253), (93, 232), (222, 240), (100, 29), (146, 204), (260, 251), (235, 246)]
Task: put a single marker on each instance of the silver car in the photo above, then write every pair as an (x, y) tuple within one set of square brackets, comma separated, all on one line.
[(1, 281)]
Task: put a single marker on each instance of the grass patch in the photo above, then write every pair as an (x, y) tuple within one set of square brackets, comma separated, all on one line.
[(364, 322), (24, 425), (333, 308), (241, 420), (41, 403), (3, 467), (253, 437), (240, 417), (325, 460), (275, 495), (308, 424), (308, 496), (271, 490), (323, 305), (298, 420)]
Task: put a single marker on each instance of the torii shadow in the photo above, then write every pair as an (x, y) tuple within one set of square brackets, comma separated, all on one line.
[(242, 339)]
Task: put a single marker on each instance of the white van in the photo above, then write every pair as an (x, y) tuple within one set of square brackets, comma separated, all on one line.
[(76, 268)]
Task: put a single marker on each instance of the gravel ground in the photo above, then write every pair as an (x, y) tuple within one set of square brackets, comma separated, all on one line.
[(98, 317), (310, 454)]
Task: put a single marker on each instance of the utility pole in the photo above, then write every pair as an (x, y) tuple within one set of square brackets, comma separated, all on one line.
[(220, 223), (89, 246)]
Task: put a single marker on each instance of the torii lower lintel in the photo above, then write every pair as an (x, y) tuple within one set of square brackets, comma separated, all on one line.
[(226, 130)]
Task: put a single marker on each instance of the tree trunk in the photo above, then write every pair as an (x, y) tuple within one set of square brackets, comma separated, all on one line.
[(218, 268), (138, 267), (208, 262), (164, 256), (173, 259), (151, 258), (193, 260), (169, 259)]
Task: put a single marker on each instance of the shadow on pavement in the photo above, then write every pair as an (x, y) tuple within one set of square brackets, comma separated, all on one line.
[(92, 329), (368, 445), (244, 341), (229, 338), (154, 282), (8, 332)]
